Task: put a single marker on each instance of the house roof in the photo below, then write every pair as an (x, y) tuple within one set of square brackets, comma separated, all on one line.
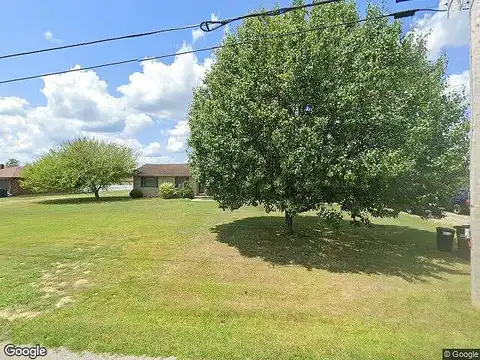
[(164, 170), (11, 172)]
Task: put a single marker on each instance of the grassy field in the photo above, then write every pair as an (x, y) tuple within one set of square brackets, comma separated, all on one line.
[(181, 278)]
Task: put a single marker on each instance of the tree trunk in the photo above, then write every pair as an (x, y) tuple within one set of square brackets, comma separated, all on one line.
[(97, 195), (289, 221)]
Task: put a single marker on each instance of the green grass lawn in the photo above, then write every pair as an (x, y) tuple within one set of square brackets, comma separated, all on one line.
[(180, 278)]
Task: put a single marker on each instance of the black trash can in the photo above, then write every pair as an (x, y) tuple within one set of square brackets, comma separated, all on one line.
[(445, 239), (463, 238), (3, 193)]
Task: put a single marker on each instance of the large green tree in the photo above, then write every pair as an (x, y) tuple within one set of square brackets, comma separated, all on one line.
[(80, 165), (354, 115)]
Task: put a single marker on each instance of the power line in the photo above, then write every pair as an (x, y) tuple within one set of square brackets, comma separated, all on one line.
[(131, 36), (396, 15), (204, 26)]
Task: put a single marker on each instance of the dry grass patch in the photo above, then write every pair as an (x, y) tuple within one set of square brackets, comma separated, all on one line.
[(15, 314)]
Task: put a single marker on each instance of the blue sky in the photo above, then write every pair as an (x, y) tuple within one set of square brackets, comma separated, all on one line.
[(153, 102)]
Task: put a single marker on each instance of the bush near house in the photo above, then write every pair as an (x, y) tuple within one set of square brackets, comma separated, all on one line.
[(186, 191), (167, 191), (136, 194)]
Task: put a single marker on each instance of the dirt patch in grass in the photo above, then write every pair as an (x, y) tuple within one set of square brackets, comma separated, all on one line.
[(58, 284), (15, 314), (80, 283), (64, 301)]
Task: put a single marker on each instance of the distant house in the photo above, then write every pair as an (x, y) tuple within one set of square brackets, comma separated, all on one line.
[(149, 177), (10, 179)]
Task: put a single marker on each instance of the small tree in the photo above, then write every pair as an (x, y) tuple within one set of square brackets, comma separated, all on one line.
[(83, 164), (12, 162)]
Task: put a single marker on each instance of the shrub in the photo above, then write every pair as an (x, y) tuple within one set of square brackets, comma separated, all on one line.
[(167, 191), (178, 193), (187, 191), (136, 194)]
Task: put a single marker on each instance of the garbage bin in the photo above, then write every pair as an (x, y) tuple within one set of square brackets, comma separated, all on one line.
[(463, 237), (3, 193), (445, 239)]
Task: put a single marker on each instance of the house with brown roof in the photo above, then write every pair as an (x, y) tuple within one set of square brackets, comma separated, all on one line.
[(10, 179), (149, 177)]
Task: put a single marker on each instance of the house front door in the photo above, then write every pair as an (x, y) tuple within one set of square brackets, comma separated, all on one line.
[(201, 189)]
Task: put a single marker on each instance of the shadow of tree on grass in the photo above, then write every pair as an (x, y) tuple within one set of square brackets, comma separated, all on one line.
[(380, 249), (84, 200)]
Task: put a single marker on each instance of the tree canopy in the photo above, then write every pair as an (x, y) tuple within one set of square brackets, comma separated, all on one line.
[(80, 165), (12, 162), (354, 115)]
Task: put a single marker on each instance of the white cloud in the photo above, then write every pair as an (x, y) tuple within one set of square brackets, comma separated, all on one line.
[(165, 91), (149, 154), (142, 160), (154, 149), (443, 32), (12, 105), (181, 129), (199, 33), (136, 122), (79, 104), (459, 83), (178, 137), (175, 144), (48, 35)]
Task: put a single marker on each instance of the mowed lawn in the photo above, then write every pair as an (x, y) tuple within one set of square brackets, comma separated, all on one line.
[(182, 278)]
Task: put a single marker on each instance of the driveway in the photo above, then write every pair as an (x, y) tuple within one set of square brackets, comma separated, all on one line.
[(454, 219)]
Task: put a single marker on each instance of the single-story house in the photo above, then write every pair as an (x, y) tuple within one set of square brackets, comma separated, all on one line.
[(149, 177), (10, 179)]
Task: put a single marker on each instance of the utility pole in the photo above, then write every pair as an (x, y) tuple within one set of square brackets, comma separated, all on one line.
[(475, 149)]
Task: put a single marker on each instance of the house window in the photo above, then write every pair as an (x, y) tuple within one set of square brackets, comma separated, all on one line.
[(149, 181), (179, 180)]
